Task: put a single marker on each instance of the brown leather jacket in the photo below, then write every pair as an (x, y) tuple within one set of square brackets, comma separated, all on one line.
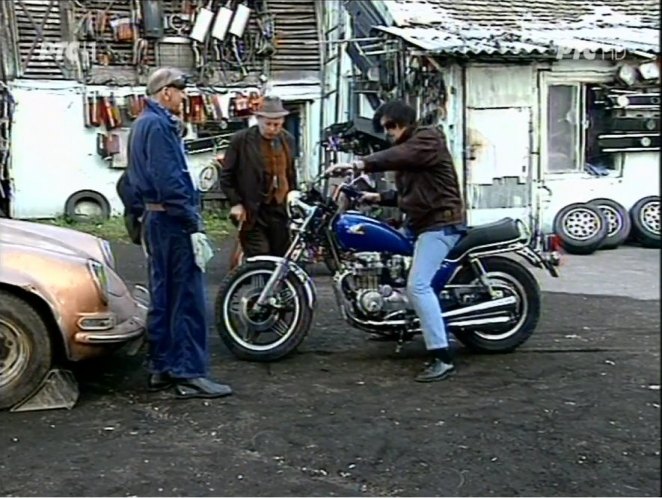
[(428, 191), (244, 177)]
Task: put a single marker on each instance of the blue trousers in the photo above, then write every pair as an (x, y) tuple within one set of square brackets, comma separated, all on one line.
[(429, 252), (176, 320)]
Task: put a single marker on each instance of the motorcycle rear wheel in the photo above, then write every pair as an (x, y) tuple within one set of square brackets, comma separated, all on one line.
[(524, 286), (231, 314)]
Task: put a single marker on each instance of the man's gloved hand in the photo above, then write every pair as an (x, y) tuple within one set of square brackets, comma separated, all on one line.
[(202, 250)]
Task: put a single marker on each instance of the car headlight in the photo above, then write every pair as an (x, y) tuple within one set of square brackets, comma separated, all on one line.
[(107, 252), (100, 277)]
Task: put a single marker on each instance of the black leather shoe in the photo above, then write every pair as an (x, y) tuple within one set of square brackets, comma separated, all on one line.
[(201, 388), (435, 370), (159, 381)]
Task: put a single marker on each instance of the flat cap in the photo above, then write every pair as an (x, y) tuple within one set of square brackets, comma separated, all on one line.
[(163, 77)]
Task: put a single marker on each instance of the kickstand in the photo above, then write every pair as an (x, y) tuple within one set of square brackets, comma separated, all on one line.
[(401, 341)]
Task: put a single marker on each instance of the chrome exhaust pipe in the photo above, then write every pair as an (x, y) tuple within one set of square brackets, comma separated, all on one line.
[(477, 322), (478, 309)]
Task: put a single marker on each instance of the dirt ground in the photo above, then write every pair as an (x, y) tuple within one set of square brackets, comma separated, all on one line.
[(574, 412)]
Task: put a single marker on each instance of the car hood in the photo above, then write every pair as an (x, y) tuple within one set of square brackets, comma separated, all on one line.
[(49, 238)]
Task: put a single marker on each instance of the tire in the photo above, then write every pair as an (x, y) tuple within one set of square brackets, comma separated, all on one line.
[(645, 216), (506, 341), (89, 197), (291, 339), (25, 349), (581, 228), (618, 219)]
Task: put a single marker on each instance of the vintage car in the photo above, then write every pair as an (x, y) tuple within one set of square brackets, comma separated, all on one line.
[(61, 300)]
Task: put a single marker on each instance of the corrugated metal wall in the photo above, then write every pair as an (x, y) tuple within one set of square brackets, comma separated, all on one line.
[(296, 26), (41, 21)]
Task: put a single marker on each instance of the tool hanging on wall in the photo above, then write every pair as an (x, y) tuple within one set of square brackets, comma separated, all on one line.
[(202, 23), (240, 20), (152, 17), (222, 22)]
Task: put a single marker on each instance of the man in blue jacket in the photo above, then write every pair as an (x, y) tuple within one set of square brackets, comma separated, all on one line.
[(160, 181)]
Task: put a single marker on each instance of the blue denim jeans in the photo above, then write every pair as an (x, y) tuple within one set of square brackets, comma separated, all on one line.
[(429, 252)]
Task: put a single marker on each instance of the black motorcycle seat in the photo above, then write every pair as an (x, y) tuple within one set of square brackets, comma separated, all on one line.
[(494, 234)]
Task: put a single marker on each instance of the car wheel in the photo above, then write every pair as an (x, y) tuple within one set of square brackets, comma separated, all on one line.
[(87, 205), (25, 349), (581, 228), (645, 215), (618, 219)]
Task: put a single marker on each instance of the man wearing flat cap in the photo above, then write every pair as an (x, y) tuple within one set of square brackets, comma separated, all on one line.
[(258, 171), (159, 182)]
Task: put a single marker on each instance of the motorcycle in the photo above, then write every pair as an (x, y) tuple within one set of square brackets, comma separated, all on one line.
[(491, 302)]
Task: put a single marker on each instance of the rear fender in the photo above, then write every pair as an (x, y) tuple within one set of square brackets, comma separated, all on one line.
[(23, 283), (304, 278)]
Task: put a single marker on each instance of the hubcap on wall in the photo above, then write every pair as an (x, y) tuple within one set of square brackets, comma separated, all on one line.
[(581, 224)]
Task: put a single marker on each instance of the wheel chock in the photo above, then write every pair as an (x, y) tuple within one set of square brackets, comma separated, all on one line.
[(59, 389)]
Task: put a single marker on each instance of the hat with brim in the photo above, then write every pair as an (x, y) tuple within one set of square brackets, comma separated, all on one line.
[(271, 107)]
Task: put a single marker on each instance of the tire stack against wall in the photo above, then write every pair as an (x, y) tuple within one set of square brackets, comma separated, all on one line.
[(583, 228)]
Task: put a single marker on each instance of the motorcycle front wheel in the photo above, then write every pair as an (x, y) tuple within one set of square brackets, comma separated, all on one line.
[(270, 333)]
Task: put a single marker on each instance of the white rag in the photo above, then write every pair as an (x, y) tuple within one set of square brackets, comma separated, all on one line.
[(202, 250)]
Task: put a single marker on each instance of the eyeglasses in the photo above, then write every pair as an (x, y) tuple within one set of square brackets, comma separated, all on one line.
[(179, 84), (390, 125)]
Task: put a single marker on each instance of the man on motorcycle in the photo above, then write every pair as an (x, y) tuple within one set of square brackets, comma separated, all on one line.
[(428, 192)]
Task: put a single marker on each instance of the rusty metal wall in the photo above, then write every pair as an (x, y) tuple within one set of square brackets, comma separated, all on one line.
[(501, 105)]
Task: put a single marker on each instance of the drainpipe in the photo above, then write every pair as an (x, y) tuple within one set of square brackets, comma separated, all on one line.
[(321, 13), (465, 136)]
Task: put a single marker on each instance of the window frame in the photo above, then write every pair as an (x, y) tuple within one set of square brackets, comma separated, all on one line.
[(579, 131)]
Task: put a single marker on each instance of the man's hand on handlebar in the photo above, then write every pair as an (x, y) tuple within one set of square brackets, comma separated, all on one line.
[(370, 198), (342, 168)]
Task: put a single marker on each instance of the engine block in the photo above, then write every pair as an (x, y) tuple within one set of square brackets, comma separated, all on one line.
[(375, 275)]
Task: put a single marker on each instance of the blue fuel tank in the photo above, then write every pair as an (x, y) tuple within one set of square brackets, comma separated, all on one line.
[(359, 233)]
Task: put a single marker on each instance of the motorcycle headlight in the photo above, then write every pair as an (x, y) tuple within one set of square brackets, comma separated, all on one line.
[(294, 205), (107, 252), (100, 277)]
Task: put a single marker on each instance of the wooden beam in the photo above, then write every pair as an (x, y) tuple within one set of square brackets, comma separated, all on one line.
[(8, 42)]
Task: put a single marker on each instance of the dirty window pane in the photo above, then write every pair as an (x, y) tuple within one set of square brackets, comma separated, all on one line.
[(562, 128)]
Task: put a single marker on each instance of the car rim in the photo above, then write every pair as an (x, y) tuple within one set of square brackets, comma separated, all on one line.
[(614, 221), (245, 327), (649, 216), (15, 352), (581, 224)]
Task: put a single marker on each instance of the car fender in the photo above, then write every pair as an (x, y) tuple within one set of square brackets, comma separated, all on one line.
[(24, 282), (304, 278)]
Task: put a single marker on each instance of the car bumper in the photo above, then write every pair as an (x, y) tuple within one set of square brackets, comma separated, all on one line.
[(102, 329)]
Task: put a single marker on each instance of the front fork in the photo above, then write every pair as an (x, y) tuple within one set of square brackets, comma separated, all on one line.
[(282, 268)]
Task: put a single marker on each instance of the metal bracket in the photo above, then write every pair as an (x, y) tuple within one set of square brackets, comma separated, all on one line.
[(59, 389)]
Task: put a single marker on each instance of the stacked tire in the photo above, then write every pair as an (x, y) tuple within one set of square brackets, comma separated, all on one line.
[(645, 217), (583, 228)]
